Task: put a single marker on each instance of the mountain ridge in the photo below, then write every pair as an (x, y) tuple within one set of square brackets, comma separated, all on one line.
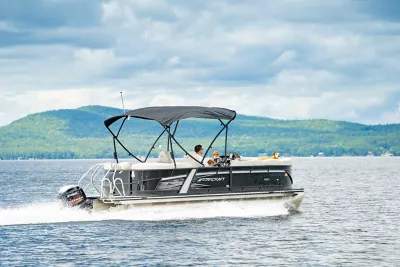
[(80, 133)]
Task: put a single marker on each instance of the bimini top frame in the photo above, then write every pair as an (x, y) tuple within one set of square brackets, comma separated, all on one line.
[(168, 115)]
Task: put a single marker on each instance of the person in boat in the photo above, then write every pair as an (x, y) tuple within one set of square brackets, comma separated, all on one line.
[(198, 155), (198, 149), (215, 155), (275, 155), (211, 162), (216, 160)]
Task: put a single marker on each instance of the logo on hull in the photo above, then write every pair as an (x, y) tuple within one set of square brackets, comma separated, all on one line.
[(211, 179)]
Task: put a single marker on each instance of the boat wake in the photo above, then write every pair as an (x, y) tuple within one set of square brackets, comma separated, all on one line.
[(41, 213)]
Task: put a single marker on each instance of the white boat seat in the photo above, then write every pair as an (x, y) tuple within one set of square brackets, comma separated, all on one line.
[(273, 162), (122, 166), (165, 157)]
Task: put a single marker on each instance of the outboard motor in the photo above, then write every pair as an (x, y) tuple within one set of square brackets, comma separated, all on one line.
[(74, 196)]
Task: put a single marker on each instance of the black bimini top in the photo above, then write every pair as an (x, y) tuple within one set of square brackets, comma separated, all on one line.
[(169, 114)]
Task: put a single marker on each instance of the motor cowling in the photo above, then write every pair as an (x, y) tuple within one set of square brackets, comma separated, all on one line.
[(73, 196)]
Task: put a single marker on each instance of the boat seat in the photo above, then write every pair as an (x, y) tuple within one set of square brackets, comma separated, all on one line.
[(165, 157), (122, 166), (273, 162)]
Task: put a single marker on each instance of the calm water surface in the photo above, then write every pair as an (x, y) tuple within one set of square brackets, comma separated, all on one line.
[(349, 217)]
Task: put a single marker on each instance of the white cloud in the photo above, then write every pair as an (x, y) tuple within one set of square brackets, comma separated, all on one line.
[(94, 61), (17, 105), (174, 60), (303, 82), (390, 116), (287, 59), (262, 36), (167, 100)]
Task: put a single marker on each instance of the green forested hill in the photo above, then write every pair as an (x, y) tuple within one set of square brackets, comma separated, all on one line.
[(80, 133)]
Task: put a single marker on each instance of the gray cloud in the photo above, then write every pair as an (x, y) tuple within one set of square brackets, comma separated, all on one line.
[(388, 10), (50, 13), (286, 59)]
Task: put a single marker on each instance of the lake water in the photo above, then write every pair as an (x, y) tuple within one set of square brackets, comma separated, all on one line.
[(349, 217)]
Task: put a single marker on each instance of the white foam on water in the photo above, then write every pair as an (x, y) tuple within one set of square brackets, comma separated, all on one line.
[(40, 213)]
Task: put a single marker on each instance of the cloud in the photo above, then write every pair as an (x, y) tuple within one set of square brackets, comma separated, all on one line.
[(287, 59), (50, 13), (387, 12), (15, 105)]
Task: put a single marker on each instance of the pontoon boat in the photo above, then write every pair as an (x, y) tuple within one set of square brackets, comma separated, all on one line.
[(167, 180)]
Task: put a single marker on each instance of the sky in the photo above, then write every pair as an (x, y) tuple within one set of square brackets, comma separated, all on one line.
[(287, 59)]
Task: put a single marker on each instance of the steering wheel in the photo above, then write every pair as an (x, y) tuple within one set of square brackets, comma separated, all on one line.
[(224, 160)]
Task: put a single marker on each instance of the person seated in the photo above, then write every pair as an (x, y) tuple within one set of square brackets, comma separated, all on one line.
[(198, 155), (216, 158), (211, 162), (199, 152), (215, 155), (275, 155)]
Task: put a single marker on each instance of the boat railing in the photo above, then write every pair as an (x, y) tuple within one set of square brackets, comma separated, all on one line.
[(88, 177), (103, 193), (122, 185), (108, 185), (93, 177)]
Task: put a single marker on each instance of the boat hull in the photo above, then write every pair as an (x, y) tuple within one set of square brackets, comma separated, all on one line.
[(291, 199)]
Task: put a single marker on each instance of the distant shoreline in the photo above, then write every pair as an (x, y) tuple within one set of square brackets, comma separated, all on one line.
[(153, 158), (80, 134)]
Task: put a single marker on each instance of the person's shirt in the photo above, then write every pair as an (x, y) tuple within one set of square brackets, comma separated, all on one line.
[(199, 158)]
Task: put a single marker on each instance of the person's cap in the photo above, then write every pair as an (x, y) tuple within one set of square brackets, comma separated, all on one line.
[(215, 153)]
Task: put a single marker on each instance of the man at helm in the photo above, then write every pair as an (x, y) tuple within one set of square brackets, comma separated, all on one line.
[(198, 152)]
